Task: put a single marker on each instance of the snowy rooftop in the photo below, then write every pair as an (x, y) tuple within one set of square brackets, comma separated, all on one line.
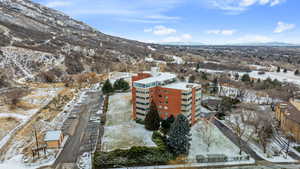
[(52, 135), (181, 86), (157, 77)]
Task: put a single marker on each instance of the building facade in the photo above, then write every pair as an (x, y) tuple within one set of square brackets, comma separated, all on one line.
[(288, 115), (54, 139), (170, 96)]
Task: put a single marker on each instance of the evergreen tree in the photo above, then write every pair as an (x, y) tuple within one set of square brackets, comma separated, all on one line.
[(179, 136), (198, 66), (204, 76), (284, 70), (192, 79), (258, 80), (121, 84), (152, 120), (246, 78), (107, 87), (166, 124), (278, 69), (215, 86), (236, 76), (297, 72)]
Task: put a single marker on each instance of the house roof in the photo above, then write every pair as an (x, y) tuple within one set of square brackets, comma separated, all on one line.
[(292, 113), (181, 86), (52, 135), (157, 78)]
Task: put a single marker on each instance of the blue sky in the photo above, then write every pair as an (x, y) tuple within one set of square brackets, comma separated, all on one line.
[(206, 21)]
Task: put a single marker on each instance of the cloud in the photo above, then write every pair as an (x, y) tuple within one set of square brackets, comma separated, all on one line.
[(160, 30), (180, 38), (221, 32), (281, 27), (238, 6), (276, 2), (140, 11), (55, 4)]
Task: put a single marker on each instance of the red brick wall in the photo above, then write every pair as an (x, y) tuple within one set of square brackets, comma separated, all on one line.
[(173, 104)]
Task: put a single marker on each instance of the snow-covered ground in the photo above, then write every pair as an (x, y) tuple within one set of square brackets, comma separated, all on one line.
[(85, 161), (249, 96), (15, 163), (14, 157), (177, 60), (289, 76), (272, 147), (269, 156), (204, 132), (38, 98), (120, 75), (150, 59), (120, 131)]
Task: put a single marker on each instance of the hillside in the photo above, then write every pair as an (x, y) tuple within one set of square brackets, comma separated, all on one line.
[(35, 38)]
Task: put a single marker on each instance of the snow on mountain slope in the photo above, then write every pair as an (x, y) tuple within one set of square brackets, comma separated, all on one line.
[(35, 38)]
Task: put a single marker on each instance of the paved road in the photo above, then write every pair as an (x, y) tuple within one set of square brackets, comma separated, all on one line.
[(74, 147), (236, 140)]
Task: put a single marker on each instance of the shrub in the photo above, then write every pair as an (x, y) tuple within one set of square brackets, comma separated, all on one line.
[(135, 156)]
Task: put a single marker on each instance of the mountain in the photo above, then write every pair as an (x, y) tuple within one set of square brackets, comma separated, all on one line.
[(265, 44), (35, 38), (183, 43)]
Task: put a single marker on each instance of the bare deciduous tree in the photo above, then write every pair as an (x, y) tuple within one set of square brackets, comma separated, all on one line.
[(207, 135), (239, 127)]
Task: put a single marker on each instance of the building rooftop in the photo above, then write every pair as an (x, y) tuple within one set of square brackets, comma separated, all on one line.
[(181, 86), (292, 112), (52, 135), (157, 77)]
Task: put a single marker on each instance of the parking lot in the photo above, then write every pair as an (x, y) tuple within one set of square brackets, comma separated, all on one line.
[(82, 126)]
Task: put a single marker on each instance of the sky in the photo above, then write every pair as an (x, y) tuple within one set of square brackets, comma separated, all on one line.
[(201, 21)]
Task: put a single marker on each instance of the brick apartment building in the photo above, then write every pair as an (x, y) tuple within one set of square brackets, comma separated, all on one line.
[(170, 96)]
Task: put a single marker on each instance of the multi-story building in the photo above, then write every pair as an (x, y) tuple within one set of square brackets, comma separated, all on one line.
[(170, 96), (288, 115)]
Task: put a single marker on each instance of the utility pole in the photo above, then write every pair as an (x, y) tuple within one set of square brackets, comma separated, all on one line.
[(36, 141)]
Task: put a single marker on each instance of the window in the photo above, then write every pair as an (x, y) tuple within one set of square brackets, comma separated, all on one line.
[(142, 103), (143, 109), (140, 113)]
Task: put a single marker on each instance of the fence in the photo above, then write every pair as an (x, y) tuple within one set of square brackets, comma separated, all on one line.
[(215, 158)]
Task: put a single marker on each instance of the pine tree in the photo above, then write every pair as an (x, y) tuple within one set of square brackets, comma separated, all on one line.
[(152, 120), (107, 87), (198, 66), (215, 85), (179, 136), (192, 79), (236, 76), (245, 78), (166, 124), (278, 69), (121, 84), (284, 70)]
